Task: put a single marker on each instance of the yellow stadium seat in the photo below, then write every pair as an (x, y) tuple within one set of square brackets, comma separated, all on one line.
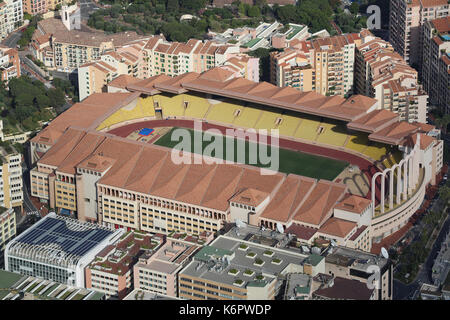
[(247, 118), (332, 134), (197, 107), (223, 112), (308, 129), (267, 120), (357, 142), (288, 125), (376, 151), (147, 106), (128, 113), (172, 106)]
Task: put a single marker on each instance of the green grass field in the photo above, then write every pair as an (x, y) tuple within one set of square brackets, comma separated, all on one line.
[(289, 161)]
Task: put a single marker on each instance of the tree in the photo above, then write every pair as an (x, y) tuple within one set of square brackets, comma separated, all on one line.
[(354, 8), (173, 5), (254, 12)]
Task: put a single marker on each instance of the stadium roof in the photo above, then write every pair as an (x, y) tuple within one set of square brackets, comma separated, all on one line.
[(58, 240)]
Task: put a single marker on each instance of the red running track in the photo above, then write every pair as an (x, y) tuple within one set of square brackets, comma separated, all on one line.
[(365, 166)]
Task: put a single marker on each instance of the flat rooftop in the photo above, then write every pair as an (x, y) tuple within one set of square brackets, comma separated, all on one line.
[(137, 294), (18, 287), (357, 259), (241, 258)]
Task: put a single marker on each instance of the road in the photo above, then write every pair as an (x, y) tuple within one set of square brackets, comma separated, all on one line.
[(11, 40), (410, 291)]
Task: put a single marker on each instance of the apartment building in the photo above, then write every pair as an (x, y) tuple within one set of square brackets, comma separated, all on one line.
[(11, 16), (158, 273), (321, 65), (147, 58), (11, 193), (7, 226), (66, 50), (111, 272), (357, 265), (231, 268), (127, 60), (436, 62), (174, 58), (383, 74), (35, 7), (9, 63), (405, 25)]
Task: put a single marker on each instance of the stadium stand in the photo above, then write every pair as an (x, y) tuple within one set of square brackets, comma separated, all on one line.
[(288, 125), (332, 133), (147, 107), (357, 142), (222, 112), (197, 107), (247, 117), (172, 106), (268, 120), (308, 128), (392, 158), (376, 151)]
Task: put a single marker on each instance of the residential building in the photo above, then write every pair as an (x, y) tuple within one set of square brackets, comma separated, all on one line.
[(66, 50), (9, 63), (11, 193), (11, 17), (111, 272), (406, 19), (35, 7), (58, 248), (231, 268), (322, 65), (158, 273), (382, 73), (155, 56), (358, 266), (7, 226), (436, 62)]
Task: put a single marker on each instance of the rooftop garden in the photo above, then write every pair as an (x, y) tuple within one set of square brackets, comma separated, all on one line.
[(243, 246), (258, 262), (238, 282), (249, 272), (276, 261), (268, 253), (251, 255), (233, 271)]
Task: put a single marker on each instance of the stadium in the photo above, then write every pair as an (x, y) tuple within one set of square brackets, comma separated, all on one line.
[(348, 172)]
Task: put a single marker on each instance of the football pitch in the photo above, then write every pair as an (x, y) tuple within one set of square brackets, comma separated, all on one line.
[(290, 161)]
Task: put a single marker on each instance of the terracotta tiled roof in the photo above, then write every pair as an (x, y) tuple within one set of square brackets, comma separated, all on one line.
[(337, 227), (289, 197), (353, 204), (317, 208), (250, 197)]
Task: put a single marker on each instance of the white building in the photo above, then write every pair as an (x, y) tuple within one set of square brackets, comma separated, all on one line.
[(58, 248), (11, 16)]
